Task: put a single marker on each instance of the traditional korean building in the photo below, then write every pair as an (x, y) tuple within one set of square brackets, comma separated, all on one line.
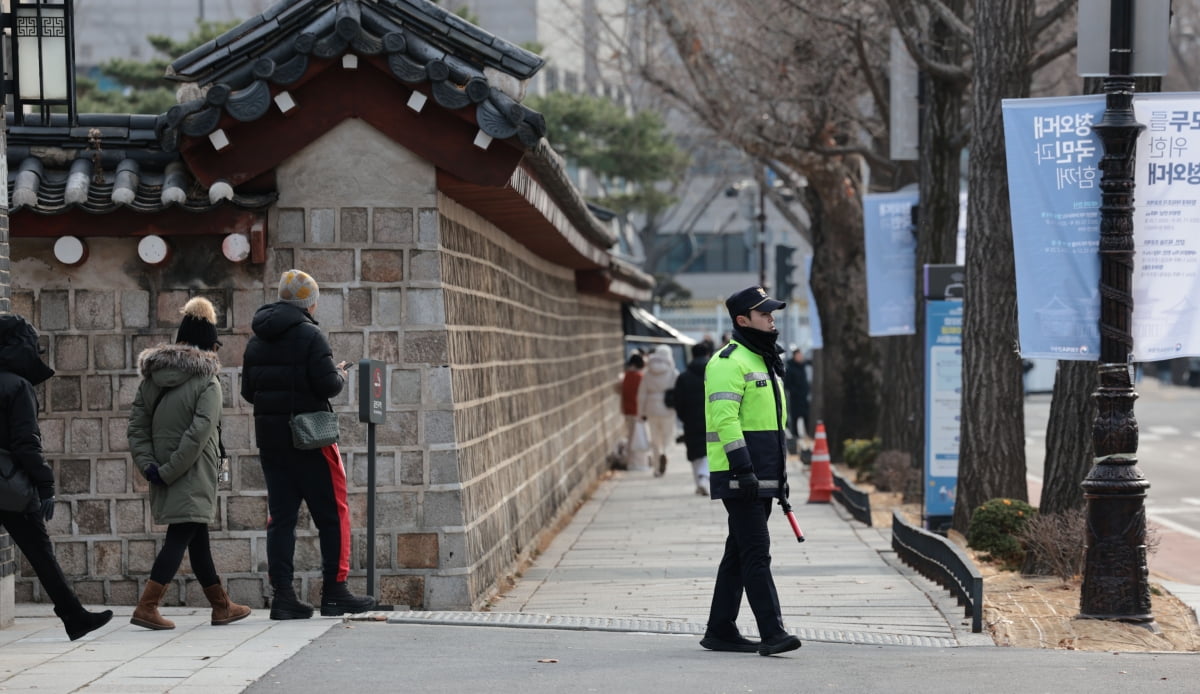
[(381, 146)]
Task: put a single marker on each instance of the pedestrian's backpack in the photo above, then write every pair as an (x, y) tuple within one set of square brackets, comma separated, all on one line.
[(669, 398)]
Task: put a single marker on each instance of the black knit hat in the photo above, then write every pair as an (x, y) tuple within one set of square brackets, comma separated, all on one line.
[(199, 325)]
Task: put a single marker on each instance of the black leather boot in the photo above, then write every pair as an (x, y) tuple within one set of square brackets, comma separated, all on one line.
[(79, 623), (336, 599), (285, 605)]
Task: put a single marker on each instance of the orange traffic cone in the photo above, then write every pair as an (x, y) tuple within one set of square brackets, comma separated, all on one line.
[(820, 475)]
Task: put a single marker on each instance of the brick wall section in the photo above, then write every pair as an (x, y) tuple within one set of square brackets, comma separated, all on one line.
[(532, 369), (495, 424)]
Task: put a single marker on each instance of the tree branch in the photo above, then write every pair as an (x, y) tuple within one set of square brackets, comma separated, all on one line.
[(1044, 58), (1052, 15)]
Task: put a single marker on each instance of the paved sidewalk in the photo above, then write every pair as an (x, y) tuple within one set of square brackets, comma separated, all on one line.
[(195, 657), (647, 549)]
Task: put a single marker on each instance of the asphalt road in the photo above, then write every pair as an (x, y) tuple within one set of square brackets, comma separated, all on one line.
[(366, 657)]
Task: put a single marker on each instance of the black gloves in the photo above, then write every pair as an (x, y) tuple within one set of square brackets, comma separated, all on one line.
[(153, 476), (747, 486), (47, 509), (787, 490)]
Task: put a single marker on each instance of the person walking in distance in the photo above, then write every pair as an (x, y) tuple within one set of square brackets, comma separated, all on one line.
[(689, 403), (175, 436), (21, 369), (796, 382), (288, 368), (652, 405), (745, 414), (630, 381)]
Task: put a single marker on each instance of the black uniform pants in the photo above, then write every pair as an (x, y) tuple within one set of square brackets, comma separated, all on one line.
[(28, 531), (746, 567), (317, 478)]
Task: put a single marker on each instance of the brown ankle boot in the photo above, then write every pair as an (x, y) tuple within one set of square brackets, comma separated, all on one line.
[(146, 614), (224, 609)]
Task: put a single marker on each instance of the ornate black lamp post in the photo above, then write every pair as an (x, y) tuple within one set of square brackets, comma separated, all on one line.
[(1115, 578), (43, 60)]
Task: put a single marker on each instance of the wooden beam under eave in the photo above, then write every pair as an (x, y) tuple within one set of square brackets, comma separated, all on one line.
[(441, 136), (222, 220)]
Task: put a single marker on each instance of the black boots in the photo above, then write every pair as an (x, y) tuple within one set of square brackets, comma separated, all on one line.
[(336, 600), (285, 605), (79, 623), (735, 643), (780, 643)]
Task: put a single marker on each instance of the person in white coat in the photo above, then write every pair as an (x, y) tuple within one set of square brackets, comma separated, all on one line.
[(658, 378)]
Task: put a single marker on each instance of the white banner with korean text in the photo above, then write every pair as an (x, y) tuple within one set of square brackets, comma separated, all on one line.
[(1166, 223)]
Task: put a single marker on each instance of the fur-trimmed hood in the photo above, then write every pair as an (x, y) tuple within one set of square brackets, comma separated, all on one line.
[(169, 365)]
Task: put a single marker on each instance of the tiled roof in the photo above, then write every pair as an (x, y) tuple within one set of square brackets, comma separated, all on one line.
[(105, 163), (463, 65)]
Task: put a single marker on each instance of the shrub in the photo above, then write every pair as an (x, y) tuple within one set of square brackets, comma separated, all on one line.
[(995, 527), (893, 472), (1055, 544), (860, 453)]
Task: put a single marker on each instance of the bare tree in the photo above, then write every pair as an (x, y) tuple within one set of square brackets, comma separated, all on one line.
[(772, 77), (939, 40)]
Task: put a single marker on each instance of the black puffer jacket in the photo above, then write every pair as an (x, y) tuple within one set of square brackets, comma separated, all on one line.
[(20, 370), (689, 405), (288, 367)]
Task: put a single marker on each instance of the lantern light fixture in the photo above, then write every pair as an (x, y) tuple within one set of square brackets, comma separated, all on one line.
[(42, 46)]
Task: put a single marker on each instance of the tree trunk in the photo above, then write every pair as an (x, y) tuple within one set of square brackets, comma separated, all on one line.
[(849, 365), (942, 128), (992, 450), (1068, 436)]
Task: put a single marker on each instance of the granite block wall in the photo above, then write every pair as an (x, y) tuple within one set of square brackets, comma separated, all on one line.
[(500, 407)]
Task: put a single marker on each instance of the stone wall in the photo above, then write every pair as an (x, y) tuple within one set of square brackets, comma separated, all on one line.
[(533, 364), (500, 408), (8, 551)]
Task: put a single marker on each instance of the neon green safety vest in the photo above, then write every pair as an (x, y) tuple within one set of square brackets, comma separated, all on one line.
[(744, 411)]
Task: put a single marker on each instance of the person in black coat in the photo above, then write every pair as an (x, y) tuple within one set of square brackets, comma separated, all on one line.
[(689, 405), (795, 381), (20, 436), (288, 368)]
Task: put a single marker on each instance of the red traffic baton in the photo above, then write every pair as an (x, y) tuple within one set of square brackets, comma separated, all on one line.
[(787, 511)]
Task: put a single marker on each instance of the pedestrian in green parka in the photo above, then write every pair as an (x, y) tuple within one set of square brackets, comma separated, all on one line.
[(174, 434)]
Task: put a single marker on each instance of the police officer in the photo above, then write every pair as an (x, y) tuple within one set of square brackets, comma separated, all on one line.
[(745, 414)]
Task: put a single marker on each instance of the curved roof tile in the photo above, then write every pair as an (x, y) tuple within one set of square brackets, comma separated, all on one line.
[(105, 163), (421, 42)]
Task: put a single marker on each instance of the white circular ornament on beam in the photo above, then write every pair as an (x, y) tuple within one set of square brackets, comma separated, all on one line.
[(153, 250), (236, 247), (70, 250)]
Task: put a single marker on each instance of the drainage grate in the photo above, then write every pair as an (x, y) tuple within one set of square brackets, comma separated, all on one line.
[(630, 624)]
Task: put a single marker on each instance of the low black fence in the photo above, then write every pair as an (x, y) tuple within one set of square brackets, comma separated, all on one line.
[(943, 562), (856, 501)]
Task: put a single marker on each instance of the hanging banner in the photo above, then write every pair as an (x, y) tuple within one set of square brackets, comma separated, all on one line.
[(1054, 196), (814, 316), (891, 249), (1166, 269)]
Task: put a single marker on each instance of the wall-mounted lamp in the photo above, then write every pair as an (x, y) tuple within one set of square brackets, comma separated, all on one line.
[(153, 250), (70, 250), (236, 248)]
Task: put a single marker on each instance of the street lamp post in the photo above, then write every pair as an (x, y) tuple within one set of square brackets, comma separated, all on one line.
[(43, 60), (1115, 578)]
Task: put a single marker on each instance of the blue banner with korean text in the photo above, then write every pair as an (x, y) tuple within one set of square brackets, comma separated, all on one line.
[(891, 249), (1054, 196), (1166, 221)]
